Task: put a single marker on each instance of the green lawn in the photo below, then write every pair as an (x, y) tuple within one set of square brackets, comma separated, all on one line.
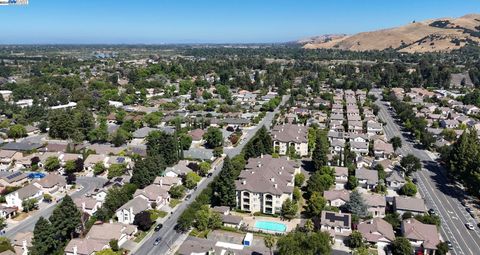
[(139, 236), (174, 202)]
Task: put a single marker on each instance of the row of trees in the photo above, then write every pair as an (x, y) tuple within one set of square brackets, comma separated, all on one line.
[(52, 234)]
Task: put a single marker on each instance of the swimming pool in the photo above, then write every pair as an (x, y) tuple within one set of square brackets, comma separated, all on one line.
[(270, 226)]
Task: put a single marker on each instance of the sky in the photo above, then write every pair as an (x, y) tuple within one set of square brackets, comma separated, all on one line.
[(210, 21)]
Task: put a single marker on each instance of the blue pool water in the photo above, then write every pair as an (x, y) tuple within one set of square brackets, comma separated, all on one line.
[(270, 226), (36, 175)]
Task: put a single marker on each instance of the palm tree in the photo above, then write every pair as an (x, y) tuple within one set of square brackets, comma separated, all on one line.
[(269, 242), (309, 225)]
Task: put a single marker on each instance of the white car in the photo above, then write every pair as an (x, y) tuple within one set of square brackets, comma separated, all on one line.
[(469, 226)]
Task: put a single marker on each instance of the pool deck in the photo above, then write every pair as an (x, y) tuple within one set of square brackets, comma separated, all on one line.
[(250, 222)]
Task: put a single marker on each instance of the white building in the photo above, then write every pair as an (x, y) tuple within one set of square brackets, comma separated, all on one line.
[(265, 184), (288, 136)]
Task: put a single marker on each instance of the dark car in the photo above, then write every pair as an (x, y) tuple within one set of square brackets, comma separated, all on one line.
[(432, 211), (157, 241), (449, 244), (209, 175), (188, 197), (415, 180), (158, 227)]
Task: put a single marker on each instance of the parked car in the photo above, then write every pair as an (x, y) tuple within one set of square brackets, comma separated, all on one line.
[(469, 225), (158, 227), (188, 197), (449, 244), (464, 203), (209, 175), (432, 211), (157, 241)]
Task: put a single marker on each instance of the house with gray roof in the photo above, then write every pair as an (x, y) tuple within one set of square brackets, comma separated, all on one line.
[(395, 180), (402, 204), (16, 198), (338, 225), (367, 178), (290, 136), (126, 213), (265, 184), (377, 231)]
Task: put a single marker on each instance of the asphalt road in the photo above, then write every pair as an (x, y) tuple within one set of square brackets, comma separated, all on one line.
[(88, 183), (438, 193), (168, 233)]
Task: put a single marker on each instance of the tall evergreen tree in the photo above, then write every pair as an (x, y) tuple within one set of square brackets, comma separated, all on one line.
[(319, 155), (357, 204), (65, 219), (164, 145), (224, 189), (44, 242), (146, 170)]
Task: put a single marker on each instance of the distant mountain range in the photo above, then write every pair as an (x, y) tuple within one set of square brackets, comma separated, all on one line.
[(437, 35)]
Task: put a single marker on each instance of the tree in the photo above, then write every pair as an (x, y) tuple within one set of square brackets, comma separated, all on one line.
[(146, 170), (143, 221), (319, 155), (114, 245), (5, 245), (410, 164), (52, 164), (355, 240), (120, 137), (205, 167), (396, 142), (297, 242), (409, 189), (315, 204), (191, 179), (442, 248), (164, 145), (44, 241), (116, 170), (352, 182), (70, 166), (319, 182), (309, 225), (289, 209), (429, 219), (393, 219), (269, 242), (185, 141), (65, 219), (217, 152), (177, 191), (213, 138), (401, 246), (99, 168), (356, 204), (29, 204), (153, 119), (224, 193), (17, 131), (299, 179), (3, 223), (99, 134)]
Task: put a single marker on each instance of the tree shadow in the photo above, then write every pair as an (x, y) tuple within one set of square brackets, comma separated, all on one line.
[(442, 182)]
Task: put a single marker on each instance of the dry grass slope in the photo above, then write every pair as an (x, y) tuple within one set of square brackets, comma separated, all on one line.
[(438, 35)]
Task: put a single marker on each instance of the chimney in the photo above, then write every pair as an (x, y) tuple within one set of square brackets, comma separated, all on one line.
[(75, 250), (283, 167), (161, 182), (261, 155), (279, 172), (244, 182), (25, 248), (275, 185), (272, 179)]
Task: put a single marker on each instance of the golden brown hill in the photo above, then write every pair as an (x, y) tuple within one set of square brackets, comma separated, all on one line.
[(444, 35)]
